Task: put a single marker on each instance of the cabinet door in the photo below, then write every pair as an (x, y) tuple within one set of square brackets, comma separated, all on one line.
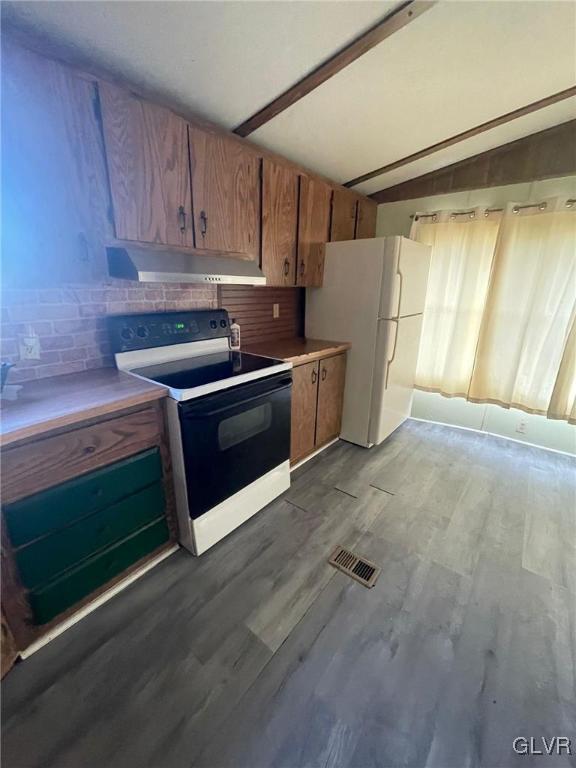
[(225, 193), (366, 218), (304, 396), (330, 398), (147, 154), (313, 226), (279, 223), (343, 224)]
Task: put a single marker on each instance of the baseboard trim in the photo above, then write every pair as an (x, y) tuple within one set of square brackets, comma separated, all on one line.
[(100, 600), (314, 453), (494, 434)]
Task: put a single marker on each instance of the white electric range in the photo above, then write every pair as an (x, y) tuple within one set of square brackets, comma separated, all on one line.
[(228, 416)]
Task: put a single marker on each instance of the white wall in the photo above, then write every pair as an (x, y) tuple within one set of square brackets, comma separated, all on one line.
[(538, 430), (394, 219)]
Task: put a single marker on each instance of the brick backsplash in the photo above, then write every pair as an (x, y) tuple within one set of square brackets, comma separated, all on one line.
[(70, 321)]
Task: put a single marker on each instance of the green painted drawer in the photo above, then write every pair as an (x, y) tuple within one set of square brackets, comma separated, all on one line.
[(62, 593), (58, 507), (45, 558)]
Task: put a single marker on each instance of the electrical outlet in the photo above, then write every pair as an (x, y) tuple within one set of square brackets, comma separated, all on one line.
[(521, 428), (275, 310), (29, 348)]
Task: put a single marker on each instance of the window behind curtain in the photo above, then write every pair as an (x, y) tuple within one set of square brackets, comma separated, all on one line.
[(461, 259), (500, 308)]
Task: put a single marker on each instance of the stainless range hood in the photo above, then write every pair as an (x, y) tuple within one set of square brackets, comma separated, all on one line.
[(150, 264)]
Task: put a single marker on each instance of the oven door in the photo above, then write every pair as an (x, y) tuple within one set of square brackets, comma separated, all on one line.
[(233, 437)]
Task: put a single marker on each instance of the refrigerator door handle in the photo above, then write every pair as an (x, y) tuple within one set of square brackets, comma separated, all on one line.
[(391, 359), (401, 279)]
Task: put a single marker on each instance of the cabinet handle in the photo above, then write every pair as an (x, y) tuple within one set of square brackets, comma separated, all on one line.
[(203, 223), (324, 373), (314, 376), (302, 267), (182, 218), (286, 267)]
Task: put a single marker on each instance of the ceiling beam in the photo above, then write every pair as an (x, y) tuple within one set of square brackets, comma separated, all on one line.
[(508, 117), (391, 23), (544, 155)]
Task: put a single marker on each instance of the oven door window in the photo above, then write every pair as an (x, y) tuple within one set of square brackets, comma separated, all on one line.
[(237, 429), (232, 438)]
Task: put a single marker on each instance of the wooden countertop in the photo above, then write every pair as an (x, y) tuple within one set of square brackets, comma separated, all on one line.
[(298, 350), (63, 401)]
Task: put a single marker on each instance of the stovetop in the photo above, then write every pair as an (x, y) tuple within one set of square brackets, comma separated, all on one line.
[(191, 372), (187, 351)]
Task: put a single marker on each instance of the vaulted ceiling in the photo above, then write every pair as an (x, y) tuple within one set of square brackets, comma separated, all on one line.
[(458, 65)]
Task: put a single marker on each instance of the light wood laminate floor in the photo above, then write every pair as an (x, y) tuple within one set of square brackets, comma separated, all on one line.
[(260, 654)]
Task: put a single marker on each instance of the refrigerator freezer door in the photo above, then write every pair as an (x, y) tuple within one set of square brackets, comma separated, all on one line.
[(396, 357), (405, 277)]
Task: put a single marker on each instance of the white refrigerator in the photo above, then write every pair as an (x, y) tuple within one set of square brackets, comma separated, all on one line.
[(373, 296)]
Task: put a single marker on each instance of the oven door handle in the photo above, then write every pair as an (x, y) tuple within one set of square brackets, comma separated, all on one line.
[(198, 413)]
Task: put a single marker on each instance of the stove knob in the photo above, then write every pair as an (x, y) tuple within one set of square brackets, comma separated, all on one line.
[(127, 334), (223, 323), (142, 331), (213, 324)]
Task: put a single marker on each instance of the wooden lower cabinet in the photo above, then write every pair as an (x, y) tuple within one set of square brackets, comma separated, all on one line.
[(331, 379), (317, 397), (104, 510), (304, 399)]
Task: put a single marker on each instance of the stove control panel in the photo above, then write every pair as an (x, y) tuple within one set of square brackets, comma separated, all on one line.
[(159, 329)]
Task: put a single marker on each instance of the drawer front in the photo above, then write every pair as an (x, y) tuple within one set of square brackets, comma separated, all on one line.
[(45, 558), (77, 583), (56, 508), (45, 463)]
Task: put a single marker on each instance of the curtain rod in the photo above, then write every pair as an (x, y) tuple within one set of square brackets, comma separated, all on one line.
[(517, 208)]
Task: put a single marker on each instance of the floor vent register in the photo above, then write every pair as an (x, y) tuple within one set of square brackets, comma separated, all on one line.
[(356, 567)]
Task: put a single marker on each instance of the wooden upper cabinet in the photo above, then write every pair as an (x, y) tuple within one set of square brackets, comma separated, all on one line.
[(366, 218), (343, 224), (147, 153), (226, 194), (313, 230), (332, 377), (304, 397), (279, 223)]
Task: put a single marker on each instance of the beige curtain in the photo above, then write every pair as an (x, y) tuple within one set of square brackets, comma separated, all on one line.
[(563, 402), (462, 251), (524, 334)]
